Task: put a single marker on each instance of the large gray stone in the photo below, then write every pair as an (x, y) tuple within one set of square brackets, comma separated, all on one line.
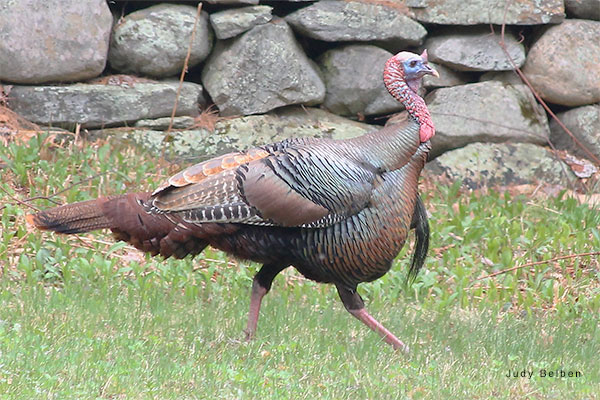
[(475, 50), (474, 12), (102, 105), (584, 9), (154, 41), (232, 22), (507, 77), (353, 76), (162, 124), (563, 64), (262, 69), (54, 40), (231, 134), (343, 21), (485, 112), (500, 164), (584, 124)]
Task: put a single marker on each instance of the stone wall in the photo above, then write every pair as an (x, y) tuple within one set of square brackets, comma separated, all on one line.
[(267, 67)]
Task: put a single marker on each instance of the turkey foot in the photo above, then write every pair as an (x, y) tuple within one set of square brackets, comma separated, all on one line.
[(356, 306), (363, 315)]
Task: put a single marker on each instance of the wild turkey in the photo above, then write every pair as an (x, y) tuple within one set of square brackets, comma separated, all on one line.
[(339, 211)]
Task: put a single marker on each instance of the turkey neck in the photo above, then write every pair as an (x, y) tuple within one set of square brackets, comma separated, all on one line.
[(390, 147), (407, 93)]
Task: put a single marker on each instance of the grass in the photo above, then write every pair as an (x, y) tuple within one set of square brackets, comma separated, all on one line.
[(83, 318)]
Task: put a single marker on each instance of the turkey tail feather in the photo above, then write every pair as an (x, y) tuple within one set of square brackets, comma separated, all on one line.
[(128, 219), (421, 226), (124, 214), (79, 217)]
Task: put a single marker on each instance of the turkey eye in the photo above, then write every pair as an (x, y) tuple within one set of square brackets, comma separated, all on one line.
[(413, 63)]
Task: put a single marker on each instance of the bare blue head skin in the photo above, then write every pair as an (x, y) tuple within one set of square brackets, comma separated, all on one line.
[(415, 68)]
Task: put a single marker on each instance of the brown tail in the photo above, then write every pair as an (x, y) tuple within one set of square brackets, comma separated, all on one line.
[(80, 217), (126, 217)]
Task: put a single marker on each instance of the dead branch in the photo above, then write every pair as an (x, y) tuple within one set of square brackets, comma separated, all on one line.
[(536, 94), (185, 67)]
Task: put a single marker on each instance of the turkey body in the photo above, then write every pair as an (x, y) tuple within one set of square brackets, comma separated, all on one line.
[(342, 249), (339, 211)]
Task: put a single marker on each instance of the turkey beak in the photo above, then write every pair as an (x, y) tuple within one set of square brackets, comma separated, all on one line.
[(429, 70)]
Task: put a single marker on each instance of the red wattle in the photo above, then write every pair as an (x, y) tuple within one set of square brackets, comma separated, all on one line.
[(426, 132)]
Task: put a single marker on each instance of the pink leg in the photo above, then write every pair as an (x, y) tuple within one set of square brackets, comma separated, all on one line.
[(355, 306), (260, 286), (258, 292), (376, 326)]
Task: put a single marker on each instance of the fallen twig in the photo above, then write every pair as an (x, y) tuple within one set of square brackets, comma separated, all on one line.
[(530, 264), (49, 198), (23, 203)]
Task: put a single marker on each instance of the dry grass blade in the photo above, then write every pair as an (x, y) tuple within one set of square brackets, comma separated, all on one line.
[(207, 119)]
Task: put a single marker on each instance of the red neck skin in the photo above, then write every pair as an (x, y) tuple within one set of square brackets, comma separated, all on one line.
[(406, 92)]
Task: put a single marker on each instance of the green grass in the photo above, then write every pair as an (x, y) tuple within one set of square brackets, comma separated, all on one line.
[(82, 318)]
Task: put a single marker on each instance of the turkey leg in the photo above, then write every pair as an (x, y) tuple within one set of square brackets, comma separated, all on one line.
[(260, 286), (356, 306)]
